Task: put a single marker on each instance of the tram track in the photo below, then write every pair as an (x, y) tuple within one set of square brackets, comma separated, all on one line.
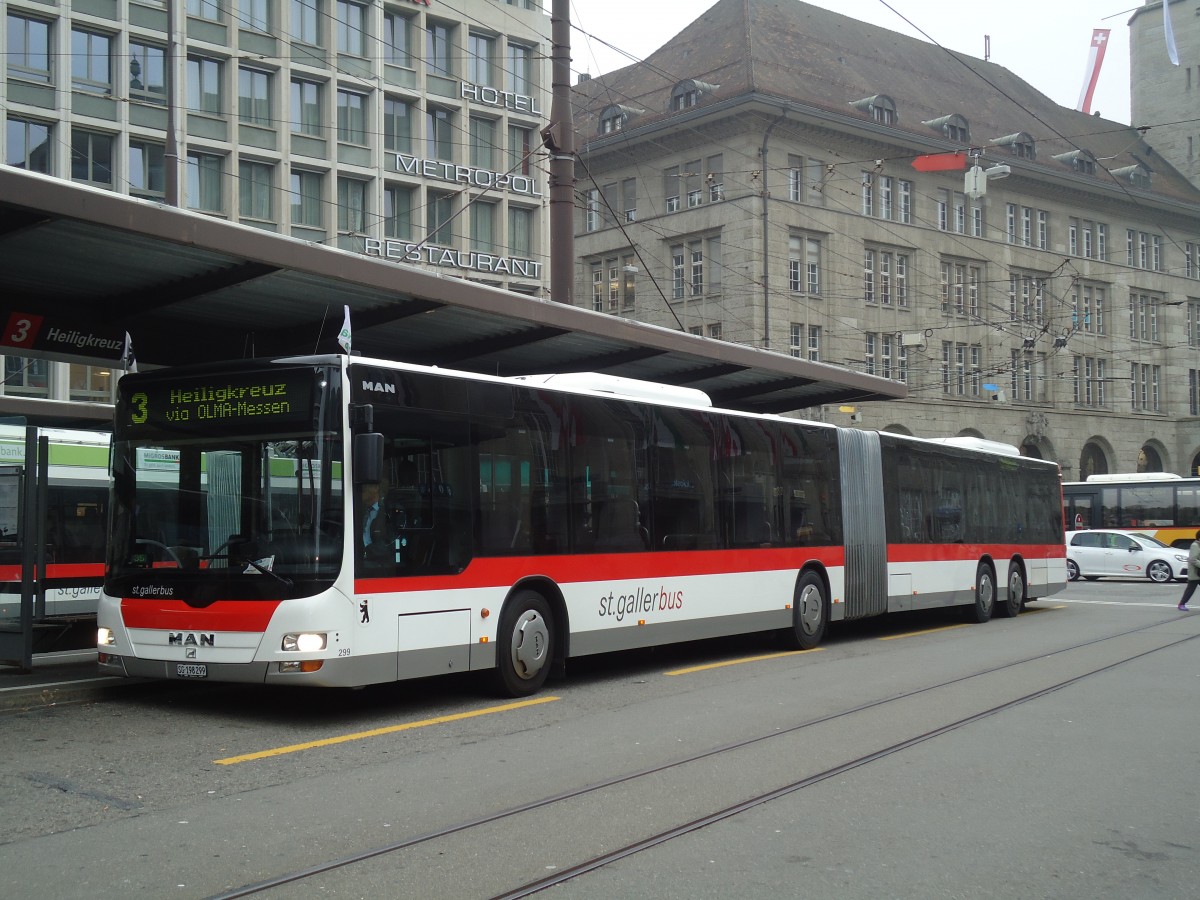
[(662, 836)]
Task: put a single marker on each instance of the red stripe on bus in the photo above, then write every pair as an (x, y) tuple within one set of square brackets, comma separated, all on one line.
[(58, 570), (903, 553), (224, 615), (504, 571)]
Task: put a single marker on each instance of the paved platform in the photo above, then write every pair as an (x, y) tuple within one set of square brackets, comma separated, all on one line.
[(65, 676)]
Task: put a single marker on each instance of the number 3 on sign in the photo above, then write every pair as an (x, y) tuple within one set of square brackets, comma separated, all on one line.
[(137, 408), (22, 329)]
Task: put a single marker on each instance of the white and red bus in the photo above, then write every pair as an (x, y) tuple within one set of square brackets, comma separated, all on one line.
[(67, 522), (343, 521)]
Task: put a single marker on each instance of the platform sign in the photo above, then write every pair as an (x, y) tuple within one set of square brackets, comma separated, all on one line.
[(60, 337)]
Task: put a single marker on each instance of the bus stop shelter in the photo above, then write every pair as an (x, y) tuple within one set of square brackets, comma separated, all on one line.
[(81, 267)]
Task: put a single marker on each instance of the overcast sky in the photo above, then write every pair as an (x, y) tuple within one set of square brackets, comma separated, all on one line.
[(1045, 42)]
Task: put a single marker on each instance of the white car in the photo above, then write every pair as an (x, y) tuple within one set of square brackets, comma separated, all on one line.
[(1101, 552)]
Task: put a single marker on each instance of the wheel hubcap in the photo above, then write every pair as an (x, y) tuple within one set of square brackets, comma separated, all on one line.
[(530, 641), (810, 610), (987, 593)]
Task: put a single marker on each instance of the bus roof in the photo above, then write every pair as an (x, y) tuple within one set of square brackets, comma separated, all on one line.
[(1135, 476)]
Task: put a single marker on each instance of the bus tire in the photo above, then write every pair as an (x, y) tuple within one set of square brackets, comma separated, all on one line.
[(1014, 600), (526, 645), (810, 612), (985, 595)]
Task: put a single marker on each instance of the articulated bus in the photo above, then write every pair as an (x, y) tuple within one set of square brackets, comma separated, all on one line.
[(341, 521), (71, 527), (1162, 505)]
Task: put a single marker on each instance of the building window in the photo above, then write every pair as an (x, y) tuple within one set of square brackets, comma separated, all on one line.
[(1088, 308), (351, 28), (439, 131), (203, 85), (520, 231), (306, 108), (684, 96), (91, 157), (255, 15), (1193, 323), (397, 40), (869, 353), (352, 205), (1043, 230), (439, 216), (691, 183), (25, 376), (481, 66), (254, 97), (520, 150), (483, 142), (147, 175), (591, 211), (438, 52), (28, 146), (28, 48), (91, 62), (89, 384), (254, 190), (797, 340), (351, 117), (1143, 316), (397, 125), (804, 264), (518, 70), (204, 182), (398, 212), (1010, 210), (147, 73), (483, 226), (867, 190), (814, 343), (1144, 381), (961, 286), (204, 9), (671, 188), (305, 199), (1027, 298), (715, 177), (906, 202), (306, 21)]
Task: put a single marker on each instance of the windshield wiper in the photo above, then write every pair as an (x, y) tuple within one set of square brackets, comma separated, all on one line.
[(258, 567)]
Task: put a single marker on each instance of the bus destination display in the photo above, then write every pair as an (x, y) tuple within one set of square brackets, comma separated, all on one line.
[(255, 400)]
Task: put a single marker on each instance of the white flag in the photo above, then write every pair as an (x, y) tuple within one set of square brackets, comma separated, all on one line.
[(128, 360), (1172, 52), (344, 335)]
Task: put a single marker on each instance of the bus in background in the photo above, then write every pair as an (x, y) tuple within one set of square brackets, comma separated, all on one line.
[(342, 521), (72, 525), (1162, 505)]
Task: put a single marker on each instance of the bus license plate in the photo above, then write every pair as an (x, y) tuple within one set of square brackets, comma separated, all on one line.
[(191, 670)]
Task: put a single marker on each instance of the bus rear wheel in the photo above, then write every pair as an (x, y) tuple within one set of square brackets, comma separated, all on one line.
[(810, 612), (1015, 599), (985, 595), (525, 645)]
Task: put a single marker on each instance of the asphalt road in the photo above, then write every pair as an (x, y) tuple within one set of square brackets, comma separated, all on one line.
[(1051, 755)]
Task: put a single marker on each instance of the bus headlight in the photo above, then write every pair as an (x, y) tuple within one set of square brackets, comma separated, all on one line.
[(304, 642), (105, 637)]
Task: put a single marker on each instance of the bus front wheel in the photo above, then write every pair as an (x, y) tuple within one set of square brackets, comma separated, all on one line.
[(810, 612), (525, 645), (985, 595)]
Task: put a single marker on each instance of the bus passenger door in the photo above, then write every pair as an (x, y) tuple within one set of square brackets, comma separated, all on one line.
[(1080, 509)]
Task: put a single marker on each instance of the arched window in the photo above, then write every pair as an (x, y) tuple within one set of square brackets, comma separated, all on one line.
[(1138, 176), (614, 118), (1092, 461), (1082, 161), (1019, 145), (689, 92), (1149, 460), (881, 108), (952, 127)]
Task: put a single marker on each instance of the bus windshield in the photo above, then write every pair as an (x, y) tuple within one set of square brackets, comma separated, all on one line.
[(226, 488)]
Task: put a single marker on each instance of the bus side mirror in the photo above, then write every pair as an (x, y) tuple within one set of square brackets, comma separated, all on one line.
[(368, 457)]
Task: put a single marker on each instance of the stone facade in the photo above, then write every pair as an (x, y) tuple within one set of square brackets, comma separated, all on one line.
[(754, 181)]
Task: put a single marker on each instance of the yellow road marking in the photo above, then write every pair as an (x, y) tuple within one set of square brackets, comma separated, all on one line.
[(376, 732), (738, 662), (907, 634)]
